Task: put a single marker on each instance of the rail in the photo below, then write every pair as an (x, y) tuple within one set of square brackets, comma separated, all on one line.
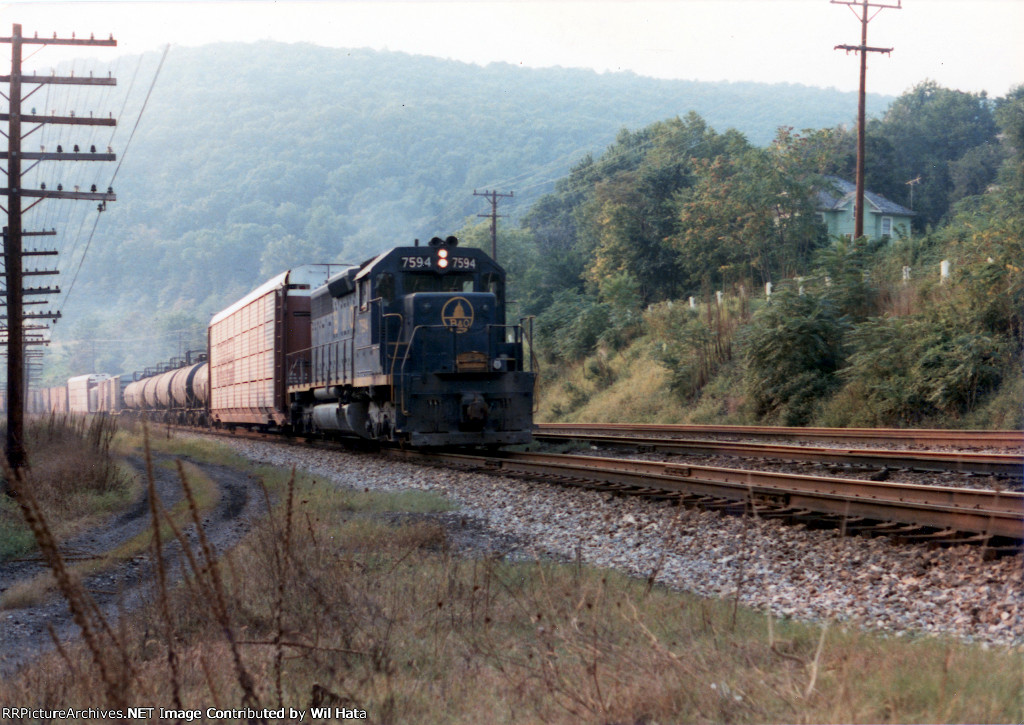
[(998, 464), (909, 436), (947, 510)]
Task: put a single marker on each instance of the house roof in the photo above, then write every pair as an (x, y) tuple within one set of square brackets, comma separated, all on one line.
[(839, 193)]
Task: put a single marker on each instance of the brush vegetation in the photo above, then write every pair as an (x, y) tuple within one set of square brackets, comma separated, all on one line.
[(344, 599), (646, 272), (75, 475)]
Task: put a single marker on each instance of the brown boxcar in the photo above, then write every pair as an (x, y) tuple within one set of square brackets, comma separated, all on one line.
[(58, 399), (111, 394), (83, 396), (249, 342)]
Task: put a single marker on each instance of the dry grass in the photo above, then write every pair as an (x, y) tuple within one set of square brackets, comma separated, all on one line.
[(331, 602), (29, 592), (74, 476)]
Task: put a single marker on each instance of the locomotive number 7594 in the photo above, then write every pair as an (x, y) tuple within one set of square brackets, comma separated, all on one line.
[(417, 262)]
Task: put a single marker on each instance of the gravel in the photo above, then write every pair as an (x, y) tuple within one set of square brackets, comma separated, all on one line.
[(901, 589)]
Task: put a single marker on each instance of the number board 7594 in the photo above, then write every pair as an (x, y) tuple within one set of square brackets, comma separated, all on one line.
[(428, 263)]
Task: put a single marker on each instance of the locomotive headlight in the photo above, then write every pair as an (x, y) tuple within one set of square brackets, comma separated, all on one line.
[(442, 253), (442, 263), (442, 258)]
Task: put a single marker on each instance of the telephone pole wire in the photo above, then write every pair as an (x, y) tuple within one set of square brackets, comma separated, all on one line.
[(16, 339), (493, 196), (865, 17)]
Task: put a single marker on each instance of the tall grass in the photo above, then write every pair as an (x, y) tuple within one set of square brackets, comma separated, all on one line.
[(331, 600), (73, 473)]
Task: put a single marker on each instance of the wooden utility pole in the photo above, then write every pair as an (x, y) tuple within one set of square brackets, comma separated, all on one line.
[(865, 16), (493, 196), (15, 193)]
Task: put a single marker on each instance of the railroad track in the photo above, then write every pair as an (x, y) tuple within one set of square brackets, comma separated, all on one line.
[(1009, 465), (1010, 439), (941, 514)]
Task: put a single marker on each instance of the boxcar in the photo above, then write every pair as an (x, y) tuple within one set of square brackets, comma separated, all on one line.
[(249, 343)]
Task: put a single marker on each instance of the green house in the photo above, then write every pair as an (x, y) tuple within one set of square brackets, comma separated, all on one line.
[(882, 218)]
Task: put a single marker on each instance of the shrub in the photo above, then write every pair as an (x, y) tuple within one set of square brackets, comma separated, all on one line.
[(910, 369), (792, 351)]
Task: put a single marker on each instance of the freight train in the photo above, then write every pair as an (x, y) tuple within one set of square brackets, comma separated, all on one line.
[(410, 347)]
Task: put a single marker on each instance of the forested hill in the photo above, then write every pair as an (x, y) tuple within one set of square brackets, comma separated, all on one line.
[(251, 158)]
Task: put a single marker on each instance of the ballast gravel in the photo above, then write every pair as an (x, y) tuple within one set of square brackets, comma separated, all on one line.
[(901, 589)]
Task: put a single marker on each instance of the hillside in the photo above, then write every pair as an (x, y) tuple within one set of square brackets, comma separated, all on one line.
[(251, 158)]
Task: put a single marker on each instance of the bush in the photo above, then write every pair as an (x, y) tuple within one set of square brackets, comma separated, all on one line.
[(572, 326), (792, 351), (910, 369), (691, 347)]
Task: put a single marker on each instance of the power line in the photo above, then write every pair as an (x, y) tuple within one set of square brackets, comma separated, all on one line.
[(124, 153)]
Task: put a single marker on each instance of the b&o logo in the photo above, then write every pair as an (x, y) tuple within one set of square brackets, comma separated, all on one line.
[(457, 314)]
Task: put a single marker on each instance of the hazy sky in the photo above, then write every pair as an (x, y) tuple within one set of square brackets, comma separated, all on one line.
[(965, 44)]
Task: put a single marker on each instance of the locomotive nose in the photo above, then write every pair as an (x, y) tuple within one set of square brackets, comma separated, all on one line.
[(474, 412)]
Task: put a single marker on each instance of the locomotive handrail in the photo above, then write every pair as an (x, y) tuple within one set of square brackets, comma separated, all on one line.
[(405, 359), (534, 362), (398, 341)]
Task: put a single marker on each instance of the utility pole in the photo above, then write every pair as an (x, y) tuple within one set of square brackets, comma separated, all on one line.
[(15, 193), (493, 196), (865, 16)]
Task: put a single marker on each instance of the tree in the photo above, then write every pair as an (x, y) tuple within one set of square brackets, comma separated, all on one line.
[(924, 132), (747, 216)]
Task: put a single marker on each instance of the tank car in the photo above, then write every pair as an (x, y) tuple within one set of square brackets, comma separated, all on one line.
[(175, 392), (414, 347)]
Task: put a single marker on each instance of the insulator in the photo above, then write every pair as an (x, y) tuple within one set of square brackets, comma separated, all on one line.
[(76, 148), (60, 187), (92, 149), (93, 188), (60, 149), (42, 186), (110, 189)]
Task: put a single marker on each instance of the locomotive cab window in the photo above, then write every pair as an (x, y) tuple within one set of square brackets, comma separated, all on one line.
[(385, 283), (364, 292), (493, 283), (458, 282)]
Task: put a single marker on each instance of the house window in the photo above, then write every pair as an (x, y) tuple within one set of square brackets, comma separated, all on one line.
[(886, 226)]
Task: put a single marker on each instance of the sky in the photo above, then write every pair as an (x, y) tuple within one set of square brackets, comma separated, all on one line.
[(970, 45)]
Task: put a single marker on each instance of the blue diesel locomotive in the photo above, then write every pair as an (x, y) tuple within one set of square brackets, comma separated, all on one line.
[(414, 347)]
